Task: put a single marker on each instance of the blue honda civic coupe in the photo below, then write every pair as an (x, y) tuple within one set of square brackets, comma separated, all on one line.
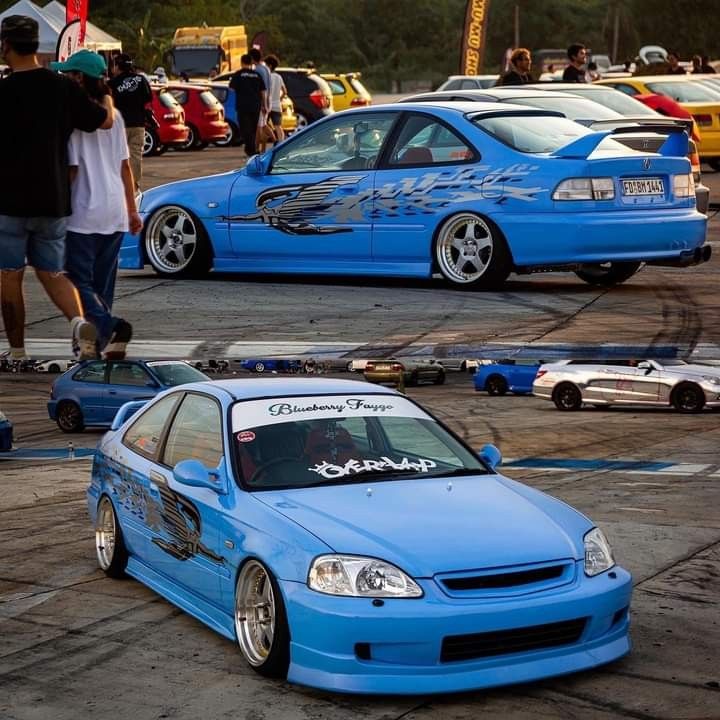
[(346, 539), (472, 191)]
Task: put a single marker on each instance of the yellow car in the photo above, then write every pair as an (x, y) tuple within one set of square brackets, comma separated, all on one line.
[(347, 90), (701, 101), (289, 118)]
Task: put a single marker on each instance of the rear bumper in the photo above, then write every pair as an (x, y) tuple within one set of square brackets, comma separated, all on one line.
[(593, 237), (173, 134), (216, 130), (52, 409)]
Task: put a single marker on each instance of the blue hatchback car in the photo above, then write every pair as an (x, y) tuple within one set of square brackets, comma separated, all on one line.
[(347, 540), (90, 394), (472, 191), (503, 376)]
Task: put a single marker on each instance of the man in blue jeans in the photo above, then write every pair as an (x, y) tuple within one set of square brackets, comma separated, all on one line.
[(38, 112)]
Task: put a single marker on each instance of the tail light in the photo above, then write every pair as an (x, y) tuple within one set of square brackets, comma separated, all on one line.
[(540, 373), (397, 367), (212, 114), (694, 158), (359, 102), (319, 99), (370, 366), (170, 116), (703, 119)]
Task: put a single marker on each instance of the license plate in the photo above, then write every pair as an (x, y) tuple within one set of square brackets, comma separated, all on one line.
[(643, 186)]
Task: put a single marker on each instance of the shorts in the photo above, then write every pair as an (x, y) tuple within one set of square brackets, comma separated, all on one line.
[(276, 118), (35, 241)]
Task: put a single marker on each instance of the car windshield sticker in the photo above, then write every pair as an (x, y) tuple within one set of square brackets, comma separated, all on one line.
[(354, 467), (273, 411), (246, 436)]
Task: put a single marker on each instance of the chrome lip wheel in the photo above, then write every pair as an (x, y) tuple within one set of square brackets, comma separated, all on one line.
[(255, 613), (464, 249), (172, 239), (105, 534), (148, 143)]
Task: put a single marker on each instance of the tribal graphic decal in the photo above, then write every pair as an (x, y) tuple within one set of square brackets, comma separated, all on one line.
[(294, 209)]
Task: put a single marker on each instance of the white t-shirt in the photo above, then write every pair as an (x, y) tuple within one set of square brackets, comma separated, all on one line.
[(276, 86), (97, 193)]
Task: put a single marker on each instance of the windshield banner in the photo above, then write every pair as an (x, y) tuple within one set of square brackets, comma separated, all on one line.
[(473, 47), (273, 411)]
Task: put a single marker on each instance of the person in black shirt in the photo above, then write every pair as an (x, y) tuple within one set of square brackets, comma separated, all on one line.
[(39, 110), (706, 67), (574, 72), (519, 74), (674, 64), (250, 94), (131, 92)]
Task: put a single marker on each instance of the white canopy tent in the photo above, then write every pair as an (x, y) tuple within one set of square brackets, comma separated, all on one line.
[(51, 21)]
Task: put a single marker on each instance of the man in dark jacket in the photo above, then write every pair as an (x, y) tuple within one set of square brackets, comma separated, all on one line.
[(250, 100), (519, 73), (575, 72), (39, 110), (131, 92)]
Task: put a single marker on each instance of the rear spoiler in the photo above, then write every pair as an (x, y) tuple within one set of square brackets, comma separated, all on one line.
[(649, 124), (676, 144)]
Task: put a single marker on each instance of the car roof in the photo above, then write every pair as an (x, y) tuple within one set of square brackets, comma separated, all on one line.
[(466, 107), (472, 77), (500, 93), (567, 87), (252, 388)]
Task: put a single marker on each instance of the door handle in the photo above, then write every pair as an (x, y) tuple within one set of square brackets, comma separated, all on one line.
[(112, 392), (348, 189), (156, 477)]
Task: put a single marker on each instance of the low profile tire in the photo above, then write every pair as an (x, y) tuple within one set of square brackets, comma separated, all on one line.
[(192, 139), (230, 138), (567, 396), (259, 367), (151, 143), (471, 252), (608, 274), (261, 623), (176, 244), (496, 385), (69, 417), (688, 398), (110, 548), (53, 368), (439, 378)]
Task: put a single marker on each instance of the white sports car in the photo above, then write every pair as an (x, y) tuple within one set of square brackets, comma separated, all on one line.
[(686, 387)]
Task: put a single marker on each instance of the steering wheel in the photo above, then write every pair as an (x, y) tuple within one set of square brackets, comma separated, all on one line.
[(269, 465)]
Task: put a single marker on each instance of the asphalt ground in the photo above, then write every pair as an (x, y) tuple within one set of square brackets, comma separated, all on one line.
[(74, 644)]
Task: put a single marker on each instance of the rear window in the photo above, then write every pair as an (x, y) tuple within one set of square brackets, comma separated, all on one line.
[(358, 87), (684, 91), (532, 133), (617, 101), (220, 93), (575, 108), (168, 100), (209, 99), (336, 86), (180, 95)]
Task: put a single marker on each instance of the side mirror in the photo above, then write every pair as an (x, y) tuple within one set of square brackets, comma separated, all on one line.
[(646, 366), (491, 455), (195, 474), (257, 165), (125, 412)]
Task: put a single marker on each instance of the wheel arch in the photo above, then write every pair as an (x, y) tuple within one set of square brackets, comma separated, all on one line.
[(686, 384)]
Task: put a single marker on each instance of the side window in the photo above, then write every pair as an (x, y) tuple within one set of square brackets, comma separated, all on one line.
[(336, 86), (125, 373), (425, 141), (452, 85), (347, 142), (143, 436), (93, 372), (468, 85), (196, 433), (627, 89)]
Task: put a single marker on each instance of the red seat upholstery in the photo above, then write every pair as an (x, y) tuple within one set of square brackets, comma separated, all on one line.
[(416, 156), (324, 445)]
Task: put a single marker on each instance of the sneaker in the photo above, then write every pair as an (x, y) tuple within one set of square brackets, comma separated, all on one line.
[(84, 341), (117, 345)]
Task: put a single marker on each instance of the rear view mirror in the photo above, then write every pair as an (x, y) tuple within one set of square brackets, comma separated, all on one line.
[(491, 455)]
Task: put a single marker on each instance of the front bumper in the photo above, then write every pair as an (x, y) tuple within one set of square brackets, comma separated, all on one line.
[(401, 640), (558, 238)]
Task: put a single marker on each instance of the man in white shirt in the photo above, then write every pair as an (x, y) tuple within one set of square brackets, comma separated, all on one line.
[(277, 92)]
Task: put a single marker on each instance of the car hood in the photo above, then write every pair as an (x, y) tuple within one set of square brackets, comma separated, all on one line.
[(436, 525), (710, 370)]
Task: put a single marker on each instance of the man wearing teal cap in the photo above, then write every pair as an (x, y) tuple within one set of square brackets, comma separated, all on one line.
[(40, 110)]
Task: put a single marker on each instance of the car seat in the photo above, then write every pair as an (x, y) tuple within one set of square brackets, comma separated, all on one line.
[(271, 441), (416, 156), (327, 445)]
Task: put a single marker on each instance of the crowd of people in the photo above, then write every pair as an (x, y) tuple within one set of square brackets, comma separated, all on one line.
[(580, 70), (71, 169)]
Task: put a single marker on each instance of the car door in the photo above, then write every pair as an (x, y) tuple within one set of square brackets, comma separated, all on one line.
[(127, 381), (89, 386), (184, 542), (426, 155), (312, 207)]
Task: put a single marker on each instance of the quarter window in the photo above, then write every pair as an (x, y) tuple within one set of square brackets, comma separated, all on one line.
[(143, 436), (348, 142), (93, 372), (424, 141), (123, 373), (196, 433)]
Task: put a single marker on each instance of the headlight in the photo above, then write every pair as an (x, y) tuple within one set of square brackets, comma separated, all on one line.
[(683, 186), (601, 188), (598, 555), (712, 379), (360, 577)]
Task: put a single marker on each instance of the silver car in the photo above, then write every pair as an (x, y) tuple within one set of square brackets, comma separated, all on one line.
[(687, 388)]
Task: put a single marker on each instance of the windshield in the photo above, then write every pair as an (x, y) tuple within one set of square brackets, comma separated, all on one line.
[(195, 61), (685, 91), (299, 442), (576, 108), (617, 101), (176, 373)]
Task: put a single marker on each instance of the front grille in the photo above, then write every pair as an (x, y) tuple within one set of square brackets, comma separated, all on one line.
[(504, 580), (504, 642)]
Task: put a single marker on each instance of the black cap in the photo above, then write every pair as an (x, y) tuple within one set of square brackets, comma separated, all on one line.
[(124, 61), (19, 28)]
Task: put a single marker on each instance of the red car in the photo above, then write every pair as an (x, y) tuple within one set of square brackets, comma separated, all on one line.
[(169, 128), (204, 114)]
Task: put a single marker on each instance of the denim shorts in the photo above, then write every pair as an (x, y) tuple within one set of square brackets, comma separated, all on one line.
[(35, 241)]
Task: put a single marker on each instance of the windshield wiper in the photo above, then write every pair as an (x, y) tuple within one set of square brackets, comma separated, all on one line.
[(458, 472)]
